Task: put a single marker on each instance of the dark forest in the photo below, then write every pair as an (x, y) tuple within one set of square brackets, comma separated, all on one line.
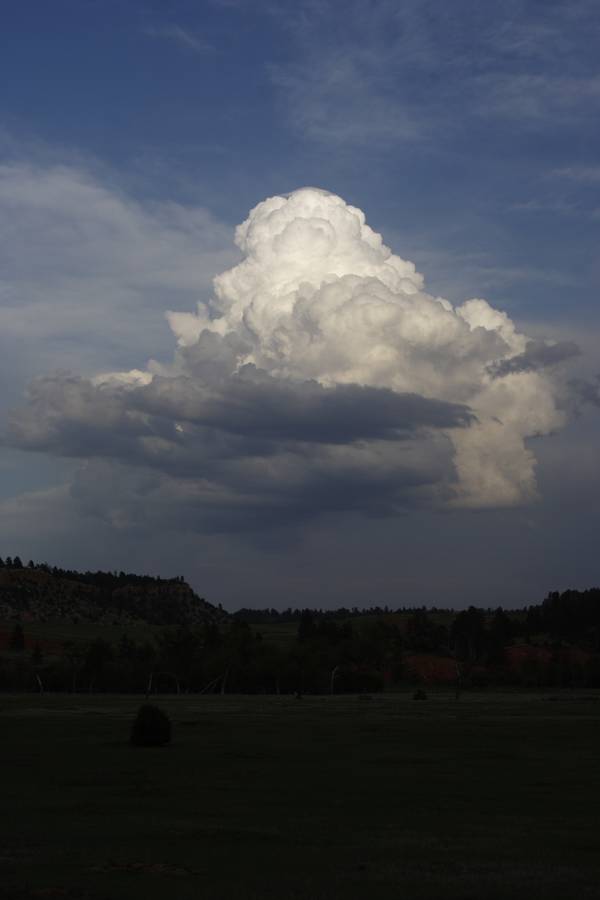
[(126, 633)]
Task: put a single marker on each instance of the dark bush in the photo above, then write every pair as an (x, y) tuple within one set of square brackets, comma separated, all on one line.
[(152, 727), (419, 695)]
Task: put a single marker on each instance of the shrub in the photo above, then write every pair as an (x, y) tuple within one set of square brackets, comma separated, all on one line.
[(152, 727), (419, 695)]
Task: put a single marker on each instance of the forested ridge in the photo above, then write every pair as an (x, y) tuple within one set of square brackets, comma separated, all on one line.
[(154, 634), (41, 593)]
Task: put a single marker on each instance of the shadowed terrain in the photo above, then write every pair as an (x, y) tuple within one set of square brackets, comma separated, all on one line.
[(339, 797)]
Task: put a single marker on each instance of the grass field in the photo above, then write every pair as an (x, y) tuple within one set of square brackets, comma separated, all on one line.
[(493, 796)]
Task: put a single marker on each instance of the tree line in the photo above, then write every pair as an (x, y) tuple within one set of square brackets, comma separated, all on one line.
[(107, 580), (558, 644)]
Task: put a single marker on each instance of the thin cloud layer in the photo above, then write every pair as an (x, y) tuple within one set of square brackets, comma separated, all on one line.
[(400, 72), (320, 377), (87, 271)]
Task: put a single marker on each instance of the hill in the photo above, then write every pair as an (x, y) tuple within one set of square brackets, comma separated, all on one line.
[(41, 594)]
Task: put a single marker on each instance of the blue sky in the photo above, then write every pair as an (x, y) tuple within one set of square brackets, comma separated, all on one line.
[(133, 139)]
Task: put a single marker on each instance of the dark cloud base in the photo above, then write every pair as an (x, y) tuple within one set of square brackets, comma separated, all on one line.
[(243, 451)]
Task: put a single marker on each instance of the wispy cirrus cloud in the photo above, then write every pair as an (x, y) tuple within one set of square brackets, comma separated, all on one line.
[(184, 37), (579, 174), (335, 102), (536, 99), (401, 72)]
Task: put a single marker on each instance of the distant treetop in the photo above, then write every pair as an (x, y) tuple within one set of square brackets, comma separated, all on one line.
[(99, 579)]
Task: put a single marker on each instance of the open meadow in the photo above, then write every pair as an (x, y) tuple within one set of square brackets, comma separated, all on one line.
[(494, 795)]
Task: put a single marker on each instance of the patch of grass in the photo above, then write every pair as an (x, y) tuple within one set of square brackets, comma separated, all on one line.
[(262, 797)]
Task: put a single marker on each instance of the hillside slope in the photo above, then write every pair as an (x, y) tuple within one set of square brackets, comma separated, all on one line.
[(40, 595)]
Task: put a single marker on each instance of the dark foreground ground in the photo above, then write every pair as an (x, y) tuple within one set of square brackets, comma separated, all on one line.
[(272, 797)]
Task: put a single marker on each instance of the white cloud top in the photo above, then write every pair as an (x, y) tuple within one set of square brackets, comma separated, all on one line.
[(319, 296)]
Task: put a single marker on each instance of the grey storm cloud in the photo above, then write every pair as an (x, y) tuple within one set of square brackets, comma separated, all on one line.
[(320, 377), (537, 355), (251, 412), (585, 391), (256, 404)]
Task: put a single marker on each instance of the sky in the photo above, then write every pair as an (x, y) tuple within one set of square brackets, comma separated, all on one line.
[(300, 299)]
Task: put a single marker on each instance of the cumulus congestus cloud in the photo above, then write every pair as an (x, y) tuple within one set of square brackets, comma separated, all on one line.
[(320, 376)]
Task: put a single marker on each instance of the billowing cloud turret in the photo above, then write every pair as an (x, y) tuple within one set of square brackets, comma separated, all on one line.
[(320, 375), (319, 295)]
